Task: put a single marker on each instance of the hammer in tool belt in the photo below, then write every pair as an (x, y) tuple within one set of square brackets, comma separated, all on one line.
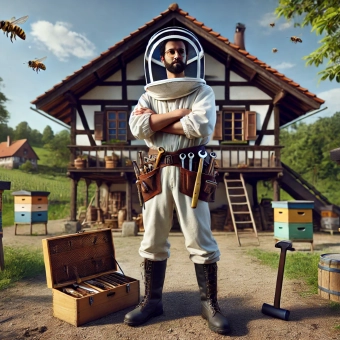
[(137, 173), (275, 311), (197, 186), (158, 159)]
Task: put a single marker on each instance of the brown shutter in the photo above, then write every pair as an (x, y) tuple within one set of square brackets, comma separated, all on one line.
[(250, 121), (99, 126), (218, 127)]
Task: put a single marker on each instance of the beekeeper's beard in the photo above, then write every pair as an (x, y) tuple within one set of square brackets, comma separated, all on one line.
[(176, 67)]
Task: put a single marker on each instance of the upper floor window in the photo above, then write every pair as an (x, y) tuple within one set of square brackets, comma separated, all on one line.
[(117, 125), (234, 126)]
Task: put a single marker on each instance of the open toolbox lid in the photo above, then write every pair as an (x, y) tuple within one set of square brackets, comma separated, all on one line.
[(78, 257)]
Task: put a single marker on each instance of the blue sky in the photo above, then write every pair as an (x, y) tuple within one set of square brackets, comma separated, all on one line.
[(70, 33)]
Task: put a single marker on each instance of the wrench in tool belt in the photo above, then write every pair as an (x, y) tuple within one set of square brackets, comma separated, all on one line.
[(158, 159), (197, 186), (191, 156), (182, 156), (213, 156)]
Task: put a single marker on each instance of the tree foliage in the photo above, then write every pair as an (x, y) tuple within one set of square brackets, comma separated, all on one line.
[(4, 115), (324, 18), (58, 147), (307, 151)]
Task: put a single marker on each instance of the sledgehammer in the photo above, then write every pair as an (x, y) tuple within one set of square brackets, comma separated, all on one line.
[(275, 311)]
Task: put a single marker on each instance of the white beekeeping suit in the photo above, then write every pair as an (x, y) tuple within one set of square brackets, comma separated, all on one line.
[(184, 100)]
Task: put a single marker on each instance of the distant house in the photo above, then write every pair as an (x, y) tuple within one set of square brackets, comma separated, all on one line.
[(14, 154)]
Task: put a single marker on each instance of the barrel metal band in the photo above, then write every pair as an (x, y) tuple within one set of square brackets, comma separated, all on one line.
[(334, 270), (329, 291)]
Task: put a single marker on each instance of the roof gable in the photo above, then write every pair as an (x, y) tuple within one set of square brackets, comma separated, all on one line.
[(15, 146), (244, 64)]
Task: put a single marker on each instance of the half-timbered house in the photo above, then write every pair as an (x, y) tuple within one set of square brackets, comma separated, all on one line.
[(252, 101)]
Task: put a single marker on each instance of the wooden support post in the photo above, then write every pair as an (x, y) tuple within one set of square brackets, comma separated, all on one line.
[(276, 190), (128, 202), (276, 124), (97, 200), (88, 183), (73, 213)]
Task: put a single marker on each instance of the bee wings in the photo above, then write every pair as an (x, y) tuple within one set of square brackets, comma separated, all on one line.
[(21, 20), (39, 60)]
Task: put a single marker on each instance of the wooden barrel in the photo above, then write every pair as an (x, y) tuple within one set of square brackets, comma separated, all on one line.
[(329, 277), (110, 164)]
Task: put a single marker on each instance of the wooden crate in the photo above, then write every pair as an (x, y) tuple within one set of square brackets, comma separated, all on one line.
[(73, 260)]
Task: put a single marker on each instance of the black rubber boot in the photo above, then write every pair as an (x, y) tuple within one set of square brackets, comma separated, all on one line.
[(151, 305), (207, 281)]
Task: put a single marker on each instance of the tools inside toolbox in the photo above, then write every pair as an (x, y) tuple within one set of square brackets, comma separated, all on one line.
[(96, 285)]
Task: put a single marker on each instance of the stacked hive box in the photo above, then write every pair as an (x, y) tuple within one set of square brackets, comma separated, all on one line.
[(293, 220), (330, 218), (30, 207)]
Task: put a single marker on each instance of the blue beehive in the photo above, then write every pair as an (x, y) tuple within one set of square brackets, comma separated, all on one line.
[(30, 207)]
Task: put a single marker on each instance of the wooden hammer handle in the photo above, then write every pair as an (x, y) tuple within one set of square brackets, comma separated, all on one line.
[(197, 186)]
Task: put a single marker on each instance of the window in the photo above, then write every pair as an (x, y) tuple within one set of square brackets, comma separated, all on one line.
[(117, 125), (234, 126)]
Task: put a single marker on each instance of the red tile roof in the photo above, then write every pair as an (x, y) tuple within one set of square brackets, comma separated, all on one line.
[(9, 151), (175, 8)]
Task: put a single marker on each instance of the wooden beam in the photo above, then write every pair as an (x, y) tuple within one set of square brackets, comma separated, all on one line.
[(84, 132), (228, 63), (252, 76), (73, 132), (74, 101), (276, 125), (279, 96), (264, 125), (73, 206)]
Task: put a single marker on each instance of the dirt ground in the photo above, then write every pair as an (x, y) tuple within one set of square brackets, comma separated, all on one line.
[(244, 285)]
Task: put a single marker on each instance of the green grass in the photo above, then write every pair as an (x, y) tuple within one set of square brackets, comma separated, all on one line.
[(20, 263), (299, 266)]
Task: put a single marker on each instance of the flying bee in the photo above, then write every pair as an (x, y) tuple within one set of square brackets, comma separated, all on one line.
[(272, 24), (274, 50), (295, 39), (37, 64), (10, 26)]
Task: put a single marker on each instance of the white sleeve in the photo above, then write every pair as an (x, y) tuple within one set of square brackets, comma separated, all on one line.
[(200, 122), (140, 125)]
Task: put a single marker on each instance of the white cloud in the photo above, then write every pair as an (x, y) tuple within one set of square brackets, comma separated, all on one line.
[(61, 41), (266, 19), (284, 26), (283, 66), (332, 102)]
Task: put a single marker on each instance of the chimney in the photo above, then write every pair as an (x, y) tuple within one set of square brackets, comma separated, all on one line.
[(239, 35), (8, 141)]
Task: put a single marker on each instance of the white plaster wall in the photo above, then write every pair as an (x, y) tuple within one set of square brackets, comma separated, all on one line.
[(235, 77), (104, 92), (135, 69), (135, 91), (268, 140), (271, 121), (115, 77), (219, 92), (214, 68), (246, 92)]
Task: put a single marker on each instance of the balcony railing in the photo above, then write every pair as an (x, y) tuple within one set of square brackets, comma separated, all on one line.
[(228, 156)]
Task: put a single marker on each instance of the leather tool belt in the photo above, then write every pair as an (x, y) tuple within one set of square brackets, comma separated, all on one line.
[(151, 181)]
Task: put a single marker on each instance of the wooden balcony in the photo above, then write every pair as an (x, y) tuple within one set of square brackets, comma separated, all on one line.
[(260, 160)]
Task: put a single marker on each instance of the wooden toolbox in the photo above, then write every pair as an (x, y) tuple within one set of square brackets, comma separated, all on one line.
[(78, 263)]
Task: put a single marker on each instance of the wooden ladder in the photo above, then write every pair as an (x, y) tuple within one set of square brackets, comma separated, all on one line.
[(239, 203)]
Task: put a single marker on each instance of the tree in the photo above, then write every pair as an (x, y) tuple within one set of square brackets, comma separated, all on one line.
[(324, 17), (5, 131), (58, 146), (4, 115), (22, 131), (47, 135), (35, 138)]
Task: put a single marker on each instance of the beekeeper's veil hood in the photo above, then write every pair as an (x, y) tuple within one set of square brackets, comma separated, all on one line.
[(157, 84)]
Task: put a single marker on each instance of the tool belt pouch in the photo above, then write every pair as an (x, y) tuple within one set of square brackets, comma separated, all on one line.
[(187, 184), (150, 184)]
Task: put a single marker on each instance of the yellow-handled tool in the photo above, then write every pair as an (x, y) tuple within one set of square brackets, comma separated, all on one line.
[(197, 186), (158, 159)]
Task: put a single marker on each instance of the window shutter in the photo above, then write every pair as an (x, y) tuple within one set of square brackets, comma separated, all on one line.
[(218, 127), (99, 126), (250, 123)]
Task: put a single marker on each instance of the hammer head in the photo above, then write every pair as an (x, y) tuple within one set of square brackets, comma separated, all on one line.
[(284, 245)]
